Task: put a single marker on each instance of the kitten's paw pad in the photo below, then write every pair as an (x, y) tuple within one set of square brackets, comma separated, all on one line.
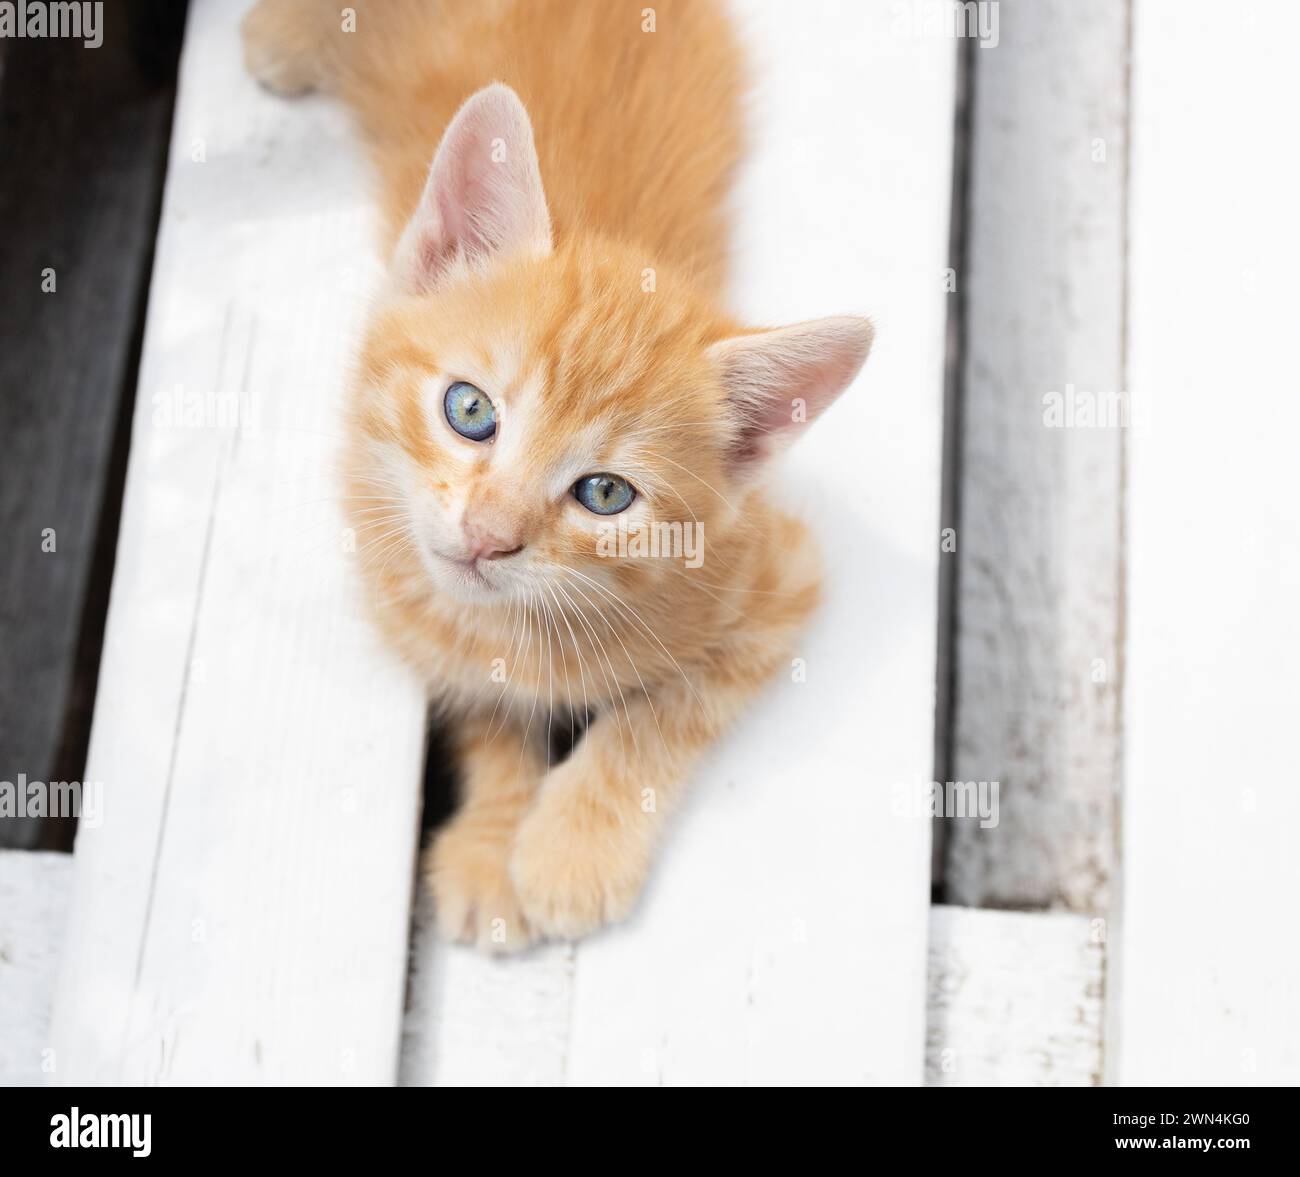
[(571, 879), (474, 900), (281, 48)]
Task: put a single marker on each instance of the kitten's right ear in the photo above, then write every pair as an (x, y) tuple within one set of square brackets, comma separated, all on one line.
[(483, 195)]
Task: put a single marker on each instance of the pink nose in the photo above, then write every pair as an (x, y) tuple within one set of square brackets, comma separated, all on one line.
[(484, 544)]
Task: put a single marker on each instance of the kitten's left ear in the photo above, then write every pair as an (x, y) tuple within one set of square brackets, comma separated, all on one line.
[(483, 195), (777, 381)]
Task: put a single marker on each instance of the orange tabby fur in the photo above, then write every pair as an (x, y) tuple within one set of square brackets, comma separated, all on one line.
[(603, 349)]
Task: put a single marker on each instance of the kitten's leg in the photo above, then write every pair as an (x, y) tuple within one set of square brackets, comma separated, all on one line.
[(467, 866), (288, 44), (585, 848)]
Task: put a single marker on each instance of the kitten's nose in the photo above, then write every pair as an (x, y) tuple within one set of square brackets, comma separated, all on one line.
[(485, 543)]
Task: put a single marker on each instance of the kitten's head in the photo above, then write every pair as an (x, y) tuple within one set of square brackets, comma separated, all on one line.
[(526, 399)]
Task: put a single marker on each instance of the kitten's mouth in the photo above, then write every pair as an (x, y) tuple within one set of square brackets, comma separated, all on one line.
[(468, 569)]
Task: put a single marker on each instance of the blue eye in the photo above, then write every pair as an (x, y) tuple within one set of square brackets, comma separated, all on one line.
[(469, 412), (604, 494)]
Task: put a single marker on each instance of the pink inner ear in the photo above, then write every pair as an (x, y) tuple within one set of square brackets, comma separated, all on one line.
[(770, 376), (484, 191)]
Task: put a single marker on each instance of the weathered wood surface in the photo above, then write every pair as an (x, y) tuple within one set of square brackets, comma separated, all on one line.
[(783, 936), (1039, 540), (241, 915), (1207, 963), (33, 918), (472, 1020), (1015, 999), (83, 138)]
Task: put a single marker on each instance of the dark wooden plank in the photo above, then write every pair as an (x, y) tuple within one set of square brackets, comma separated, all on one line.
[(83, 142)]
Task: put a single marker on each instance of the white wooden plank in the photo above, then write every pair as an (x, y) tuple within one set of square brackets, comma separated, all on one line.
[(1015, 999), (33, 915), (241, 915), (479, 1021), (1038, 543), (783, 935), (1208, 961)]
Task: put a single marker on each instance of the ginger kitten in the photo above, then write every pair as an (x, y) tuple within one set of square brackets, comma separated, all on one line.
[(557, 437)]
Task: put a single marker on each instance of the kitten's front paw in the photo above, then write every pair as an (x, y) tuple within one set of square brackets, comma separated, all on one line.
[(474, 899), (576, 868)]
